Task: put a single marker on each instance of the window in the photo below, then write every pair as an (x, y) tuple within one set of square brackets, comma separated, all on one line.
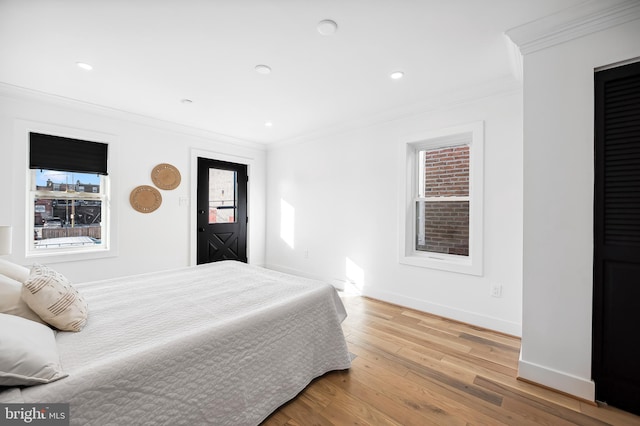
[(442, 211), (68, 196), (223, 195), (442, 202)]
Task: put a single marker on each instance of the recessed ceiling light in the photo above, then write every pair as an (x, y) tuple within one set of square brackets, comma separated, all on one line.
[(397, 75), (327, 27), (84, 66), (186, 101), (268, 124), (263, 69)]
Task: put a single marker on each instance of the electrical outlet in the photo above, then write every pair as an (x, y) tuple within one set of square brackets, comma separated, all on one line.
[(496, 290), (306, 254)]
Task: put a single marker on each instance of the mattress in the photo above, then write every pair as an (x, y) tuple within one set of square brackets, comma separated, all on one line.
[(224, 343)]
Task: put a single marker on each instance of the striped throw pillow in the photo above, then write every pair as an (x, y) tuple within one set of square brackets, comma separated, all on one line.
[(54, 299)]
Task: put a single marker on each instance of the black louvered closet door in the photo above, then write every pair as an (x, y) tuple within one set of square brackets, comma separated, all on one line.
[(616, 325)]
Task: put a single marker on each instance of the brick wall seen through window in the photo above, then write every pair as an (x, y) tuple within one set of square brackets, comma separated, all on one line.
[(443, 205)]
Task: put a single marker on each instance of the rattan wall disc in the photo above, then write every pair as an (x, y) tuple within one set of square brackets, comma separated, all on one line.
[(165, 176), (145, 199)]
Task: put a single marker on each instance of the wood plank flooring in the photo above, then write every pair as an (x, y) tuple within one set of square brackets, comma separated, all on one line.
[(413, 368)]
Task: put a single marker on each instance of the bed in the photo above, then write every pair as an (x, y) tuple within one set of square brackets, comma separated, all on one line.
[(224, 343)]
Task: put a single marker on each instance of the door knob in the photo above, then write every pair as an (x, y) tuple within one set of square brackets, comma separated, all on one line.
[(201, 229), (202, 211)]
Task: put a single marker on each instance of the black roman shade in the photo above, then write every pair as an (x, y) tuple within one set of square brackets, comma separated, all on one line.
[(69, 155)]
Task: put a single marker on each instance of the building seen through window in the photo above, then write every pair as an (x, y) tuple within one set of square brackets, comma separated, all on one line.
[(67, 209)]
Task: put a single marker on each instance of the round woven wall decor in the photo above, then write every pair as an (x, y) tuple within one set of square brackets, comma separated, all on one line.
[(165, 176), (145, 199)]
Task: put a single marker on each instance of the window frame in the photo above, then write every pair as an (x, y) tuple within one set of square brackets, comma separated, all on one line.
[(471, 134), (109, 247)]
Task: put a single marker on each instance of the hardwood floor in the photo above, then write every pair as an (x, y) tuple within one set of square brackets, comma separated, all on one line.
[(413, 368)]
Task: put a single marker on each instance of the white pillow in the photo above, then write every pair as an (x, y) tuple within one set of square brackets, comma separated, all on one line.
[(11, 302), (14, 271), (54, 299), (28, 353)]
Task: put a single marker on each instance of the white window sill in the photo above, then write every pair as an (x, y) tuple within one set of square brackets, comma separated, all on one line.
[(69, 255), (443, 262)]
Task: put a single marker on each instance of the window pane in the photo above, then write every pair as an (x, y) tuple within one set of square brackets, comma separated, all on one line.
[(222, 196), (443, 227), (445, 172), (56, 180), (67, 222)]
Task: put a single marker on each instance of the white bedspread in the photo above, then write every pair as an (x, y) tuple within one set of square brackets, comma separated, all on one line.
[(223, 343)]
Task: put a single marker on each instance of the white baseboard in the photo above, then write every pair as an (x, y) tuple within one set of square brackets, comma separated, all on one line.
[(512, 328), (564, 382), (337, 283), (497, 324)]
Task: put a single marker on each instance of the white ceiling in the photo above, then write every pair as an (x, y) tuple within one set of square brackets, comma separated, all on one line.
[(148, 55)]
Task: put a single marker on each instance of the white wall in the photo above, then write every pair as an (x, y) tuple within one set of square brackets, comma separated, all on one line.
[(345, 193), (558, 206), (146, 242)]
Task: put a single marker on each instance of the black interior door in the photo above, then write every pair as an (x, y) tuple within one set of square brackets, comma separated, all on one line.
[(616, 340), (222, 211)]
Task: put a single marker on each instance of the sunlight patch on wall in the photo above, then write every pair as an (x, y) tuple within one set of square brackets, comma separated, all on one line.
[(355, 274), (287, 222)]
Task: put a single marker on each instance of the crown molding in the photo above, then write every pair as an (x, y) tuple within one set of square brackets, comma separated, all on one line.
[(504, 86), (22, 93), (571, 23)]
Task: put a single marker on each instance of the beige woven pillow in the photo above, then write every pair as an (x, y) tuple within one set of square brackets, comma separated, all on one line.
[(54, 299)]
